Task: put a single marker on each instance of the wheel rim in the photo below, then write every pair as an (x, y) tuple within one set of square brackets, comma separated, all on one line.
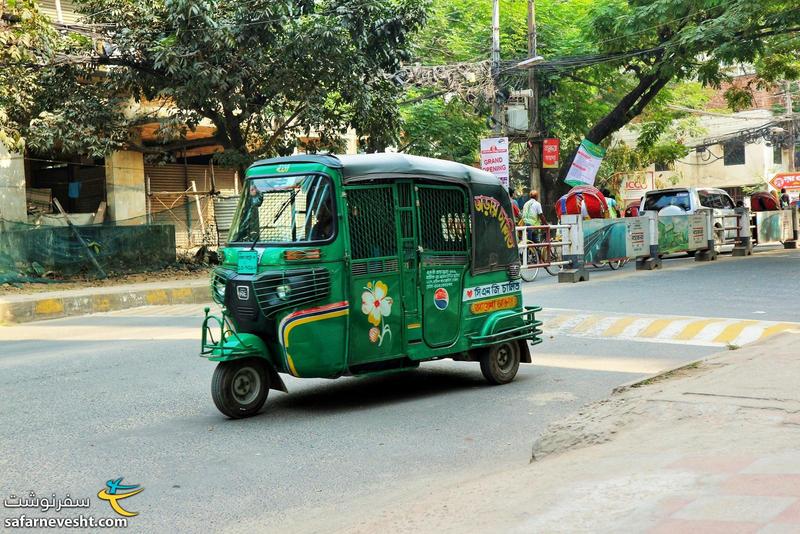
[(505, 358), (246, 385)]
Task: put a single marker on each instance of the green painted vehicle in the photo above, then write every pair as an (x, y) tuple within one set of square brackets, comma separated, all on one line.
[(364, 264)]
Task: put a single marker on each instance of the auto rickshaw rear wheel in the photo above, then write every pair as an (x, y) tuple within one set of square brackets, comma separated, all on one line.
[(240, 387), (500, 363)]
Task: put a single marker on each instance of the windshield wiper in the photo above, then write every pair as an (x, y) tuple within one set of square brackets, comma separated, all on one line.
[(286, 204), (277, 216)]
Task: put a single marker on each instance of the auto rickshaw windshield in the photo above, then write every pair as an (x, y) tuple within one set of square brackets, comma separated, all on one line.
[(285, 210)]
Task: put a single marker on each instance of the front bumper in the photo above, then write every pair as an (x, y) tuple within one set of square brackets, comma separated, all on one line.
[(508, 328), (227, 344)]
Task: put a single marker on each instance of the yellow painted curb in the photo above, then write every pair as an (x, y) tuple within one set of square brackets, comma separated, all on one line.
[(101, 303), (181, 293), (156, 297), (49, 307)]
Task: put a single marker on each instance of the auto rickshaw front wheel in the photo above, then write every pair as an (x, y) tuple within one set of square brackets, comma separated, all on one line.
[(240, 387), (500, 363)]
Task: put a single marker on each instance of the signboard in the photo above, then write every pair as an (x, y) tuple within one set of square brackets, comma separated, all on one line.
[(698, 231), (633, 185), (550, 149), (679, 233), (494, 158), (774, 226), (638, 238), (789, 180), (585, 164), (613, 239), (604, 239)]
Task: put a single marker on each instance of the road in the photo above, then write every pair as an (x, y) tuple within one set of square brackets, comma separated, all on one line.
[(123, 394)]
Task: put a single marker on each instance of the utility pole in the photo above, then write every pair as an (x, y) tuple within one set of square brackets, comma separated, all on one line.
[(534, 142), (496, 126), (787, 91)]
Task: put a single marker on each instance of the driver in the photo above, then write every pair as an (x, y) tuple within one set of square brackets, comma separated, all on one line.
[(323, 228)]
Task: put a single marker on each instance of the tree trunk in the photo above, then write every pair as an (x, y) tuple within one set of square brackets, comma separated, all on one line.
[(630, 106)]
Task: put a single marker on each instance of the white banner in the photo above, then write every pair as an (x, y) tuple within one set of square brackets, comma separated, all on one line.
[(585, 164), (494, 157)]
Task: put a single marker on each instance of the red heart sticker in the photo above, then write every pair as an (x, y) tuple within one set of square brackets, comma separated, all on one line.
[(469, 293)]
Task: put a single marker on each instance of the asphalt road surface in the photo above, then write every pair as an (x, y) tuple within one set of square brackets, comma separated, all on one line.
[(124, 394)]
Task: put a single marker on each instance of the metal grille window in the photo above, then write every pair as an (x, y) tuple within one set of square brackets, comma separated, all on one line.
[(733, 153), (405, 201), (777, 154), (370, 213), (443, 219)]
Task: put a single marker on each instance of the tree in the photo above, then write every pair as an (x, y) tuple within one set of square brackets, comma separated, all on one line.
[(262, 72), (672, 40), (460, 31), (46, 102), (442, 128)]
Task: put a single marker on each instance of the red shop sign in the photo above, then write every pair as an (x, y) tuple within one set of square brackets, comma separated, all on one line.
[(550, 153)]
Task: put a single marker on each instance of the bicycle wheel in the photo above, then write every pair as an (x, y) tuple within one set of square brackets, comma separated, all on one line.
[(616, 264), (554, 255), (528, 274)]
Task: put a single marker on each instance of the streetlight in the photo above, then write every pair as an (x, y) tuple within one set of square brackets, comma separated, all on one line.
[(530, 62)]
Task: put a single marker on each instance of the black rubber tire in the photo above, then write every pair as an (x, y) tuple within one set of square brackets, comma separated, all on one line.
[(554, 255), (529, 274), (500, 363), (241, 374)]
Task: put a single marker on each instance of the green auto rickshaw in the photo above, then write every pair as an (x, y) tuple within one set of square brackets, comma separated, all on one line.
[(364, 264)]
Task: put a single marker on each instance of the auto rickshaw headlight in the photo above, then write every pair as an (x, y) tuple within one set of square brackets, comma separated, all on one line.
[(218, 290), (283, 291)]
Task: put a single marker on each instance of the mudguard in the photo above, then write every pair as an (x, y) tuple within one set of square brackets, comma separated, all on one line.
[(235, 346)]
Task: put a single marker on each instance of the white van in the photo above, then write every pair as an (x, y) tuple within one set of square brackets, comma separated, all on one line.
[(689, 200)]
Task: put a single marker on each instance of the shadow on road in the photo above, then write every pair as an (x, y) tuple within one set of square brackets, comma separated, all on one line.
[(355, 393)]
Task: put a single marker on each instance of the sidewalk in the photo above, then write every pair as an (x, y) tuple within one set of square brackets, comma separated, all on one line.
[(712, 448), (54, 304)]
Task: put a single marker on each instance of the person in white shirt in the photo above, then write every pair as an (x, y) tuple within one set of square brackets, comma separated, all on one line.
[(533, 215)]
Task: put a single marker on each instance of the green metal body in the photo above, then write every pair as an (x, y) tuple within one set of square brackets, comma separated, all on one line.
[(401, 287)]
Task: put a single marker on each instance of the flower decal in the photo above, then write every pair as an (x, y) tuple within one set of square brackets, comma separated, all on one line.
[(377, 304)]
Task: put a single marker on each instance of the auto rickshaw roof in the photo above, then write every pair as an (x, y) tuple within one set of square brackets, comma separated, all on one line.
[(387, 166)]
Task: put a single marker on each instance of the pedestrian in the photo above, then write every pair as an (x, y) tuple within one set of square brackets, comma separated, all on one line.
[(786, 202), (611, 202), (532, 215), (523, 198), (514, 205)]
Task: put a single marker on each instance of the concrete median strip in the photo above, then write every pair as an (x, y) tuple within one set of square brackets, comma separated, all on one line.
[(56, 304), (704, 331)]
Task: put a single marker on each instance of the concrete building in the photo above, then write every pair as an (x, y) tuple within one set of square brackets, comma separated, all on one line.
[(739, 152)]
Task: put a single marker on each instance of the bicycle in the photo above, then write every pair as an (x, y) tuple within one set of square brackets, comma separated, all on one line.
[(612, 264), (528, 274), (552, 255)]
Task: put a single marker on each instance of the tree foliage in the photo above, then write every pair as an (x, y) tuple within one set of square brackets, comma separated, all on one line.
[(57, 107), (264, 73), (442, 128), (688, 40), (651, 55)]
